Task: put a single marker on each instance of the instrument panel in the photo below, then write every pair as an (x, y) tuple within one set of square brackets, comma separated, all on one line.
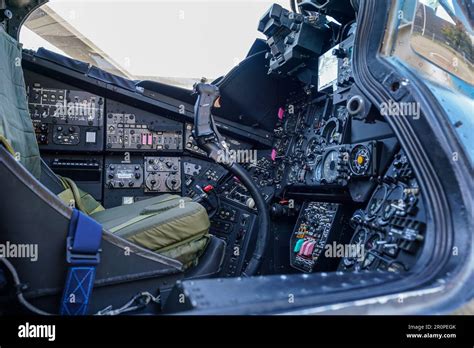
[(64, 117), (351, 185), (390, 230)]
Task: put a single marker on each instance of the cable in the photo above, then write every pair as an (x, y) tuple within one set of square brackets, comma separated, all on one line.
[(17, 283)]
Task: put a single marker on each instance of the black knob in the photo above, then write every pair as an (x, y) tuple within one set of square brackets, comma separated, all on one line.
[(339, 53)]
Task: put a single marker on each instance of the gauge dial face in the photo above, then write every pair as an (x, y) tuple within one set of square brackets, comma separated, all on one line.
[(312, 150), (317, 173), (331, 131), (298, 144), (360, 160), (377, 201), (290, 124), (330, 164), (370, 245), (393, 203), (357, 241)]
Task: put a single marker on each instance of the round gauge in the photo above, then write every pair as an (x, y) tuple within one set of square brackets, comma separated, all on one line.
[(312, 150), (290, 124), (357, 218), (360, 160), (330, 166), (298, 145), (357, 241), (173, 182), (331, 131), (370, 246), (317, 172), (376, 201), (393, 203)]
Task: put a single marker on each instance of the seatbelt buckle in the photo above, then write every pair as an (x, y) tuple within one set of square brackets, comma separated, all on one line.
[(76, 258)]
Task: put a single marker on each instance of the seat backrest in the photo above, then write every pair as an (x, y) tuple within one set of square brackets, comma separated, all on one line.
[(16, 128)]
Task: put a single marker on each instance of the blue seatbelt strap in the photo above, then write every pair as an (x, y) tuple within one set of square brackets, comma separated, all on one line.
[(83, 256)]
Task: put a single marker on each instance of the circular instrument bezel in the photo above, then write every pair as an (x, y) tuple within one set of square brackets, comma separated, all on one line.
[(380, 193), (313, 148), (332, 126), (395, 195), (361, 234), (370, 252), (324, 172), (316, 173), (355, 152)]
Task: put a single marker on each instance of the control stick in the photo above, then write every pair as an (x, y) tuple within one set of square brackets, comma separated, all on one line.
[(208, 139)]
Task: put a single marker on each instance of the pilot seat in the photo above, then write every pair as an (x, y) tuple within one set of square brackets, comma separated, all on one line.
[(174, 227)]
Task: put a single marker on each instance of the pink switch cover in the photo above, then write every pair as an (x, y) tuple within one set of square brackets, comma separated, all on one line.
[(281, 113)]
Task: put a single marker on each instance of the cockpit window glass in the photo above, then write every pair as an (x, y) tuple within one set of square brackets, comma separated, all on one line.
[(442, 33), (171, 41), (434, 38)]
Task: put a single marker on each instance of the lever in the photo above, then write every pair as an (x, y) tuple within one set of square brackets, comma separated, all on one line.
[(208, 97), (208, 139)]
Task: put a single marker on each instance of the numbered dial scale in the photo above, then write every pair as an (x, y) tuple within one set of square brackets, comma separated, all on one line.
[(338, 165)]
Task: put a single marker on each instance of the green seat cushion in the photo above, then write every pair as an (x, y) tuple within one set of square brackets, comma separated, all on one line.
[(170, 225)]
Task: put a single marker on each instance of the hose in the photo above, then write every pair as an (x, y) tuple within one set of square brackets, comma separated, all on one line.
[(19, 294)]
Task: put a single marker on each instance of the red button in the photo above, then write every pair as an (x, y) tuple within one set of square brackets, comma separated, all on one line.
[(208, 188)]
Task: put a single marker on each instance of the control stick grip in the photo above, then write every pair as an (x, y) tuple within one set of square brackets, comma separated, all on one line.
[(207, 97)]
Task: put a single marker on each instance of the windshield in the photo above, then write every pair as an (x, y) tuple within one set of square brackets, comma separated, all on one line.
[(175, 42), (434, 38)]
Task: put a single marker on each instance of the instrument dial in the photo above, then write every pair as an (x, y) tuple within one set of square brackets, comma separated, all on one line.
[(370, 250), (330, 166), (360, 160), (317, 173), (377, 201), (313, 150), (357, 243), (331, 132), (395, 202), (298, 145)]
